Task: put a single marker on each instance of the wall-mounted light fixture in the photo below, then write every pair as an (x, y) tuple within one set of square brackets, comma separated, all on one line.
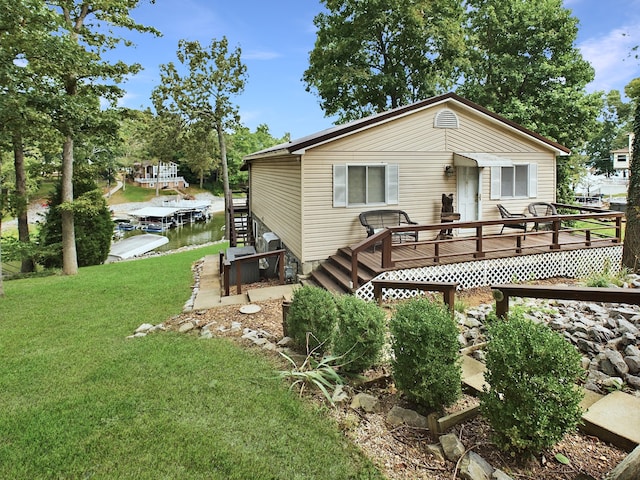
[(449, 170)]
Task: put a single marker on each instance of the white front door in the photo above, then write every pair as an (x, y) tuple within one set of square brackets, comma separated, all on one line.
[(468, 197)]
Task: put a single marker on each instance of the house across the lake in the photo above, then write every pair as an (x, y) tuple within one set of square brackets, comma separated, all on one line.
[(311, 191), (162, 175)]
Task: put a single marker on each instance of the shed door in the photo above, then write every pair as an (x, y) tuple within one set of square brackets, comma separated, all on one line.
[(468, 198)]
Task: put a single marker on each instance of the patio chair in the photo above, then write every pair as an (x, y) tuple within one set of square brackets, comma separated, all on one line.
[(506, 214), (542, 209), (376, 220)]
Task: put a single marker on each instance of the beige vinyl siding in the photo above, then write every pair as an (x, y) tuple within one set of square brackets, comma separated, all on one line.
[(412, 133), (276, 199), (422, 183)]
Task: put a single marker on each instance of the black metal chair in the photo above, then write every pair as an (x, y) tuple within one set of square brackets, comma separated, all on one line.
[(506, 214), (542, 209)]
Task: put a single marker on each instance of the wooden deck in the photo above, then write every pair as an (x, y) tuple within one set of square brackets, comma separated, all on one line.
[(581, 228), (463, 249)]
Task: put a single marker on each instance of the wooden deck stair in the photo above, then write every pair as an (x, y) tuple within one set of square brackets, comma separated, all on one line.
[(334, 274), (241, 231)]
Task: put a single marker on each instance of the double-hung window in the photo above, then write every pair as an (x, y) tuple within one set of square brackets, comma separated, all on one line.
[(372, 184), (514, 181)]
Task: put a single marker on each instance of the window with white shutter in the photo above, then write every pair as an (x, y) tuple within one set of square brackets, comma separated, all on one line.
[(355, 185)]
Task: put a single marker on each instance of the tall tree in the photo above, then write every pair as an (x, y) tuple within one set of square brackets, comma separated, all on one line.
[(524, 65), (631, 249), (203, 93), (380, 54), (24, 36), (79, 77), (611, 132)]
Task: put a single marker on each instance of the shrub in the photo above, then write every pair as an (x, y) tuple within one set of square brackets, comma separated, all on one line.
[(359, 334), (93, 225), (533, 400), (425, 344), (312, 318)]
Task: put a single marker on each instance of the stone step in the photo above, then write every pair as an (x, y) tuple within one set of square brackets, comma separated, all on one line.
[(614, 418)]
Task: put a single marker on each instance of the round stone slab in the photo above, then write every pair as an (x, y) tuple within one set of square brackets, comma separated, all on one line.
[(248, 309)]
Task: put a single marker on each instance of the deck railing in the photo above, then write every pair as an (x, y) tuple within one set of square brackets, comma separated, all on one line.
[(588, 226)]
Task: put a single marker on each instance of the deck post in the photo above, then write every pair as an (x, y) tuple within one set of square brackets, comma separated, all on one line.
[(588, 238), (281, 266), (479, 247), (555, 242), (436, 252), (386, 252), (618, 230), (227, 271), (354, 271), (502, 305), (519, 244)]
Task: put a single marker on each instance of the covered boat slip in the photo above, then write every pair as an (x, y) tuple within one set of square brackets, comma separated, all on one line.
[(163, 218)]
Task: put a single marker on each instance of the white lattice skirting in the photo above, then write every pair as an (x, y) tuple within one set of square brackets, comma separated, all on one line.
[(480, 273)]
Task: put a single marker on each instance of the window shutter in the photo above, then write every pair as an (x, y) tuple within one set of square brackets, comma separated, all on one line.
[(496, 180), (339, 185), (392, 184), (533, 180)]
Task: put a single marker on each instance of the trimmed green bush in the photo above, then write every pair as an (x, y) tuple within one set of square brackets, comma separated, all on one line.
[(426, 366), (533, 400), (312, 318), (359, 335)]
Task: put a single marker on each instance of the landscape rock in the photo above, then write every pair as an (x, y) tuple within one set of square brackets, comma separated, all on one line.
[(366, 402), (616, 362), (399, 416), (452, 447), (500, 475), (145, 327), (633, 362), (186, 327), (436, 450), (474, 467)]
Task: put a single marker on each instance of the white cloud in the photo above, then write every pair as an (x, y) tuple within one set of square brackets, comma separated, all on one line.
[(260, 55), (611, 57)]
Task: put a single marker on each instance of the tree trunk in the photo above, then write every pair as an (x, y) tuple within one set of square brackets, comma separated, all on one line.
[(69, 254), (631, 249), (225, 179), (27, 265)]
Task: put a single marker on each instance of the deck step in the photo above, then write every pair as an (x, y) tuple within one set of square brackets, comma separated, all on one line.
[(323, 280)]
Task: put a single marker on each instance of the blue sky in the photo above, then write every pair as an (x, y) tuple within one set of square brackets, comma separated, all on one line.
[(276, 38)]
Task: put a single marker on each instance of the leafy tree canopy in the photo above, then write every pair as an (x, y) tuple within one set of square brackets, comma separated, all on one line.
[(380, 54)]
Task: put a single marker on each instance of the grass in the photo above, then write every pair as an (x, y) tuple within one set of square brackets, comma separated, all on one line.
[(79, 400)]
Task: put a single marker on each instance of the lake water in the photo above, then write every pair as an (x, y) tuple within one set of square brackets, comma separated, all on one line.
[(192, 234)]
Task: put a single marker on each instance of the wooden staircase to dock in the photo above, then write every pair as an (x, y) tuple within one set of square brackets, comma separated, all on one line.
[(334, 273), (241, 231)]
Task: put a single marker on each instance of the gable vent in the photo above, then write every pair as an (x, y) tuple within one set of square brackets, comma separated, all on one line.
[(446, 119)]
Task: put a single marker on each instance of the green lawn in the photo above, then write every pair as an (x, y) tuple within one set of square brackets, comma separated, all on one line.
[(79, 400)]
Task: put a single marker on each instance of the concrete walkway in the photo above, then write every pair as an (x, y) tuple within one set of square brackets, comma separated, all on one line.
[(614, 418)]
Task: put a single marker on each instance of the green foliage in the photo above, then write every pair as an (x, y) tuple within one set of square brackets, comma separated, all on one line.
[(360, 333), (312, 318), (376, 55), (533, 400), (426, 365), (93, 224), (524, 65), (607, 277)]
